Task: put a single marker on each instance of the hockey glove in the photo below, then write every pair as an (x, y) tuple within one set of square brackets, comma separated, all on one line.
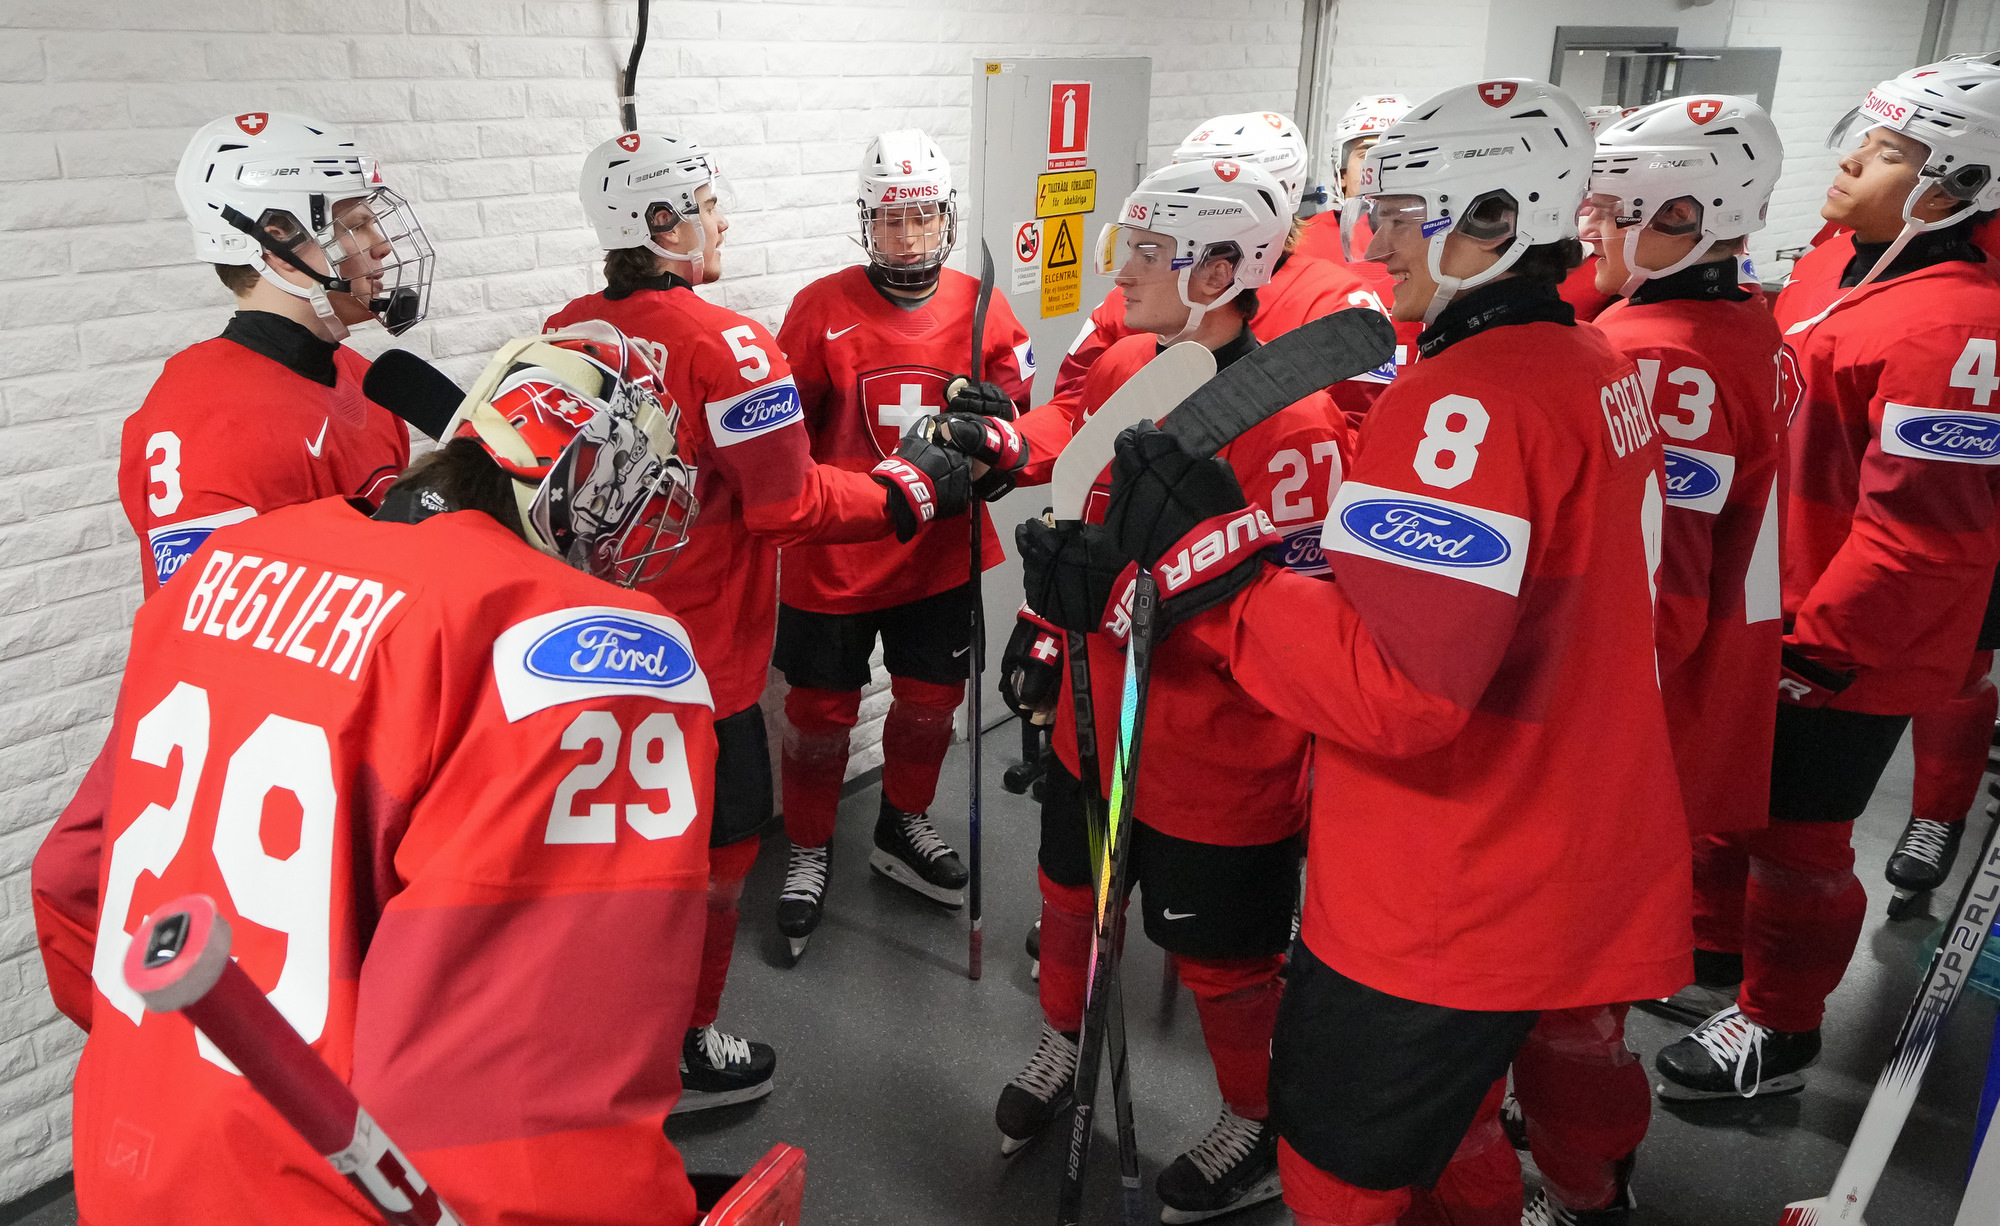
[(1067, 572), (925, 481), (993, 442), (984, 399), (1805, 682), (1186, 520), (1030, 669)]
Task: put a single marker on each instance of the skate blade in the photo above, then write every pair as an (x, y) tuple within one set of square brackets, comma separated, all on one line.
[(1907, 901), (1009, 1146), (798, 947), (903, 875), (1774, 1087), (1035, 970), (1812, 1212), (1267, 1188), (700, 1100)]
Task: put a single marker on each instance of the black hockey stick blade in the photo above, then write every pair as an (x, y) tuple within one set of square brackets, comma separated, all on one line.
[(413, 390), (984, 300), (1309, 358)]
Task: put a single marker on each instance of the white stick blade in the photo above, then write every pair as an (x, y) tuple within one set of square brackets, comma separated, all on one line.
[(1158, 386)]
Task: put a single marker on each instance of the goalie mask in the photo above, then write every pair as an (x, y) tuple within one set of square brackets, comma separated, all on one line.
[(637, 188), (575, 418), (265, 186), (909, 211), (1182, 216)]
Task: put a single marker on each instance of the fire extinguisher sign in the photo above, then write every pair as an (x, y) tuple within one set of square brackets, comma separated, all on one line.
[(1069, 124)]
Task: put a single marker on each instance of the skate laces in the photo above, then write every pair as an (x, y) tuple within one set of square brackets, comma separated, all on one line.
[(805, 875), (1051, 1067), (722, 1050), (924, 837), (1226, 1144), (1926, 840), (1734, 1041), (1544, 1211)]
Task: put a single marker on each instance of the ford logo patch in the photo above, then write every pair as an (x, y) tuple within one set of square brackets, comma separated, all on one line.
[(1300, 551), (171, 550), (1952, 436), (605, 648), (1690, 479), (1425, 533), (1386, 371), (763, 410)]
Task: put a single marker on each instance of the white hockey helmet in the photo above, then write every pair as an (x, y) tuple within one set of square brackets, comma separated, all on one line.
[(579, 420), (1259, 138), (1520, 141), (641, 185), (1368, 117), (905, 178), (1211, 209), (1722, 151), (244, 175), (1953, 107), (1598, 116)]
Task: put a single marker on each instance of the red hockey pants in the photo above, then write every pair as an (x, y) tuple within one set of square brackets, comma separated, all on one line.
[(1481, 1186), (818, 724)]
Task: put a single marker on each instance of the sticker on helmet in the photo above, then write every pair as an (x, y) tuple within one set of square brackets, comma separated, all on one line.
[(1479, 546), (629, 142), (1498, 93), (1701, 110), (593, 651), (1227, 171), (253, 122)]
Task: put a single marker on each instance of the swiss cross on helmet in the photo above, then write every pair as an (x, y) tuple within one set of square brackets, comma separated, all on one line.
[(265, 185), (908, 208), (576, 419), (1205, 211), (640, 187), (1259, 138)]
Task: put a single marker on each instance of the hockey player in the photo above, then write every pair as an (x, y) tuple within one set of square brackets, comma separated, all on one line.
[(652, 197), (1339, 232), (1478, 678), (429, 772), (1222, 793), (1301, 288), (270, 413), (874, 348), (1675, 190), (1890, 538)]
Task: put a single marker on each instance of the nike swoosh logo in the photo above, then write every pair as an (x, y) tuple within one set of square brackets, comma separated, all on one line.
[(834, 336), (961, 651), (317, 443), (1164, 914)]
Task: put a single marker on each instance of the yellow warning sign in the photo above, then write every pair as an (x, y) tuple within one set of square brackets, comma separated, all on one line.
[(993, 68), (1065, 191), (1062, 265)]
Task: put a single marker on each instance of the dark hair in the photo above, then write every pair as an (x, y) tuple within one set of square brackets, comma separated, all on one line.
[(629, 267), (1550, 263), (240, 279), (1246, 304), (458, 476)]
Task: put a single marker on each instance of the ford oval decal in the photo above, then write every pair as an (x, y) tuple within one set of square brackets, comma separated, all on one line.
[(1689, 479), (606, 648), (763, 410), (1951, 435), (171, 550), (1425, 533)]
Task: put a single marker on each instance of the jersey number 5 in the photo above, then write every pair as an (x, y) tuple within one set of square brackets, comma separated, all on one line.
[(743, 343)]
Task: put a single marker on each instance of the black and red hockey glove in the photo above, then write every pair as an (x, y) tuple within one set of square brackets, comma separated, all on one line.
[(1186, 520), (962, 395), (993, 442), (1031, 669), (1805, 682), (1067, 572), (925, 481)]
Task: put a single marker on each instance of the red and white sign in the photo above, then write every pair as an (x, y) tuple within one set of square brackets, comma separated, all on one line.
[(1701, 110), (1028, 242), (1069, 125), (629, 142), (1498, 93), (253, 122)]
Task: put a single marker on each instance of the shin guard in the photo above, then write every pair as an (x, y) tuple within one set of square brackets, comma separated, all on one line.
[(1237, 1000), (1802, 917), (914, 739), (1586, 1100), (727, 867), (817, 725), (1068, 926), (1950, 744)]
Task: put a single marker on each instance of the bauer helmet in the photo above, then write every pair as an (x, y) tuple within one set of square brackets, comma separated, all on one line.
[(638, 187), (262, 184), (1367, 119), (909, 211), (576, 418), (1721, 152), (1953, 107), (1523, 143), (1258, 138), (1220, 209)]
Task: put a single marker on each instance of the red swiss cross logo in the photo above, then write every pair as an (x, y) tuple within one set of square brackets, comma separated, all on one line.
[(1498, 93), (1277, 122), (1227, 171), (1701, 110), (629, 142), (253, 122)]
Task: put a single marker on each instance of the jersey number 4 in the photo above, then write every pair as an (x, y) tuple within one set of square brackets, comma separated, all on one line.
[(1978, 369)]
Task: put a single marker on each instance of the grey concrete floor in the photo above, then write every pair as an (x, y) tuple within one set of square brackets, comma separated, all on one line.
[(890, 1059)]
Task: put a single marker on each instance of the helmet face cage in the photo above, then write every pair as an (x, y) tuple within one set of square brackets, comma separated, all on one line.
[(380, 249), (611, 504), (919, 235)]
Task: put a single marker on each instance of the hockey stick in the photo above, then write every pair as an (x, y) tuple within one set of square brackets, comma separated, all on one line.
[(1297, 364), (180, 962), (1896, 1090), (1981, 1203), (978, 517), (1169, 378)]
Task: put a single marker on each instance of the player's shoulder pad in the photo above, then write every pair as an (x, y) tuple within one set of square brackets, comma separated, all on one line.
[(595, 651)]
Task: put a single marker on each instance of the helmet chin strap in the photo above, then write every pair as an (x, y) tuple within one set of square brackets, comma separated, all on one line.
[(1350, 214), (1196, 310), (1449, 288), (695, 261), (1911, 228), (1636, 276), (315, 294)]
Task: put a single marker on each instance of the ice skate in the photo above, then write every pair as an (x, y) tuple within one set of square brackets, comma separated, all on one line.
[(804, 896), (1730, 1056), (909, 852), (1542, 1209), (1234, 1167), (1717, 976), (1039, 1092), (718, 1070), (1921, 861)]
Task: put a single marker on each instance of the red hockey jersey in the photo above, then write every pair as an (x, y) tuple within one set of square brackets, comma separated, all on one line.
[(227, 433), (1215, 766), (1710, 372), (742, 425), (1893, 521), (1496, 823), (453, 798), (866, 369)]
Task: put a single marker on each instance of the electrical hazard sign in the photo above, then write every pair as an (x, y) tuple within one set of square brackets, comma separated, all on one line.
[(1069, 125), (1065, 191), (1062, 265)]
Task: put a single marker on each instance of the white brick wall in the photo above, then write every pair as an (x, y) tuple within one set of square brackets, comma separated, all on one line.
[(480, 110)]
